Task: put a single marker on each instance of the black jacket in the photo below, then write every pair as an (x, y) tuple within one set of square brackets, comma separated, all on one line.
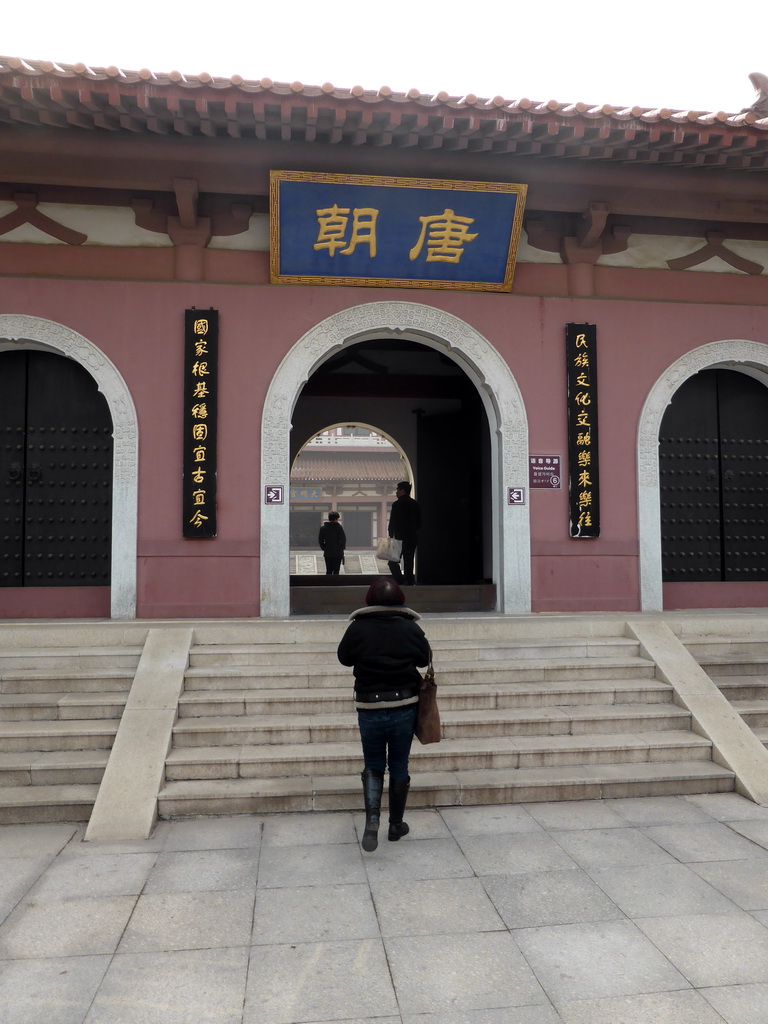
[(332, 539), (384, 645), (404, 518)]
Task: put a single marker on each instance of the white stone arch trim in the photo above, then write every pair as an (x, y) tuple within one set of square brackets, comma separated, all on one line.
[(736, 355), (501, 398), (32, 332)]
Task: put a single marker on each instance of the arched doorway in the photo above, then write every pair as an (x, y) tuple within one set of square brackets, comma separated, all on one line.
[(351, 468), (713, 464), (55, 474), (499, 398), (20, 333), (748, 357)]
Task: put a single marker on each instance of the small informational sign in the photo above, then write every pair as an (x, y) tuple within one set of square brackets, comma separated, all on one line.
[(516, 496), (201, 362), (347, 229), (545, 472), (274, 494), (583, 470)]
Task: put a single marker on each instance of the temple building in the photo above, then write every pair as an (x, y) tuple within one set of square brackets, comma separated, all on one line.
[(555, 312)]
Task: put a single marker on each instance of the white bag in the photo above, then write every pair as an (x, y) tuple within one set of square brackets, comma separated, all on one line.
[(389, 549)]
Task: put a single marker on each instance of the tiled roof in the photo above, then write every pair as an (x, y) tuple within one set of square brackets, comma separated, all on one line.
[(111, 99), (349, 468)]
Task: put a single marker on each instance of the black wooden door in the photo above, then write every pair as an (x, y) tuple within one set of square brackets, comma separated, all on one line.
[(55, 474), (450, 495), (713, 454)]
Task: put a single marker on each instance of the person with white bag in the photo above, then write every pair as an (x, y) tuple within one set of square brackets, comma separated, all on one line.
[(404, 525)]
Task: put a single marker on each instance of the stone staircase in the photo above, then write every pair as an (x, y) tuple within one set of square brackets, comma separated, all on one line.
[(739, 667), (60, 707), (528, 714)]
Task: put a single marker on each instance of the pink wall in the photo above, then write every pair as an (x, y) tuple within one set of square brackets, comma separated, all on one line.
[(139, 326)]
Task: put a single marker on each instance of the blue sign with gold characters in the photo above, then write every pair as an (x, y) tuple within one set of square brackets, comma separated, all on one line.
[(347, 229)]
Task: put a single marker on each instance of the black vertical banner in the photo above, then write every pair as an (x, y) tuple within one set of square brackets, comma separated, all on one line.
[(583, 472), (201, 355)]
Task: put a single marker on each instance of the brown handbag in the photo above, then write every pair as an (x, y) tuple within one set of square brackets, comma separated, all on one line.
[(428, 729)]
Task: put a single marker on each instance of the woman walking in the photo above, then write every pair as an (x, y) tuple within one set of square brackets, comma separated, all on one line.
[(384, 646)]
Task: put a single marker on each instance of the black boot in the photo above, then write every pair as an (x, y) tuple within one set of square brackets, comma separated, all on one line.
[(373, 785), (398, 795)]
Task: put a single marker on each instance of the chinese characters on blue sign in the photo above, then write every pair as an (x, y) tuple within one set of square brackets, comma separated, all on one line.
[(583, 474), (201, 341), (393, 232)]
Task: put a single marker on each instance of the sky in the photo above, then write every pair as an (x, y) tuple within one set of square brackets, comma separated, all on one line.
[(679, 54)]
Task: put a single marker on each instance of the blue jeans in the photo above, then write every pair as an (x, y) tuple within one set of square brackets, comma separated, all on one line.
[(386, 736)]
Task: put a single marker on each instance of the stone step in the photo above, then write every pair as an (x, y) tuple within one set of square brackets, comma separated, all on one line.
[(81, 681), (754, 712), (525, 670), (300, 759), (234, 655), (98, 734), (25, 707), (67, 659), (330, 728), (24, 804), (743, 687), (729, 647), (738, 665), (57, 767), (447, 789), (456, 697)]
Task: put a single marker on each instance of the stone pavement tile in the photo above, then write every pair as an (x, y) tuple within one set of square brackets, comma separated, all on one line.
[(179, 987), (712, 950), (336, 864), (728, 807), (659, 810), (318, 981), (596, 960), (34, 840), (515, 853), (230, 833), (684, 1007), (490, 820), (434, 906), (17, 876), (424, 824), (539, 1014), (308, 829), (739, 1004), (203, 871), (697, 843), (600, 848), (58, 990), (434, 973), (320, 913), (416, 859), (755, 831), (660, 890), (745, 882), (85, 927), (189, 920), (75, 876), (549, 897), (576, 814)]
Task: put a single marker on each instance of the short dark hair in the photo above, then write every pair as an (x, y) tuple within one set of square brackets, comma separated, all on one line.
[(333, 515), (384, 590), (404, 486)]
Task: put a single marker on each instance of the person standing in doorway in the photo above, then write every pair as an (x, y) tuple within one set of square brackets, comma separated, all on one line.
[(404, 524), (332, 541)]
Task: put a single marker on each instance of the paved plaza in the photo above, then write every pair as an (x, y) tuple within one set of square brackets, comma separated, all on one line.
[(634, 911)]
